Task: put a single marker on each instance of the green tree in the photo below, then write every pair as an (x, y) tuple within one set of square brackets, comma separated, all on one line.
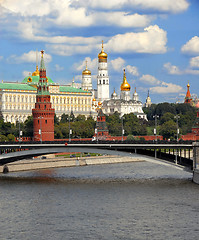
[(28, 127), (166, 117), (168, 130)]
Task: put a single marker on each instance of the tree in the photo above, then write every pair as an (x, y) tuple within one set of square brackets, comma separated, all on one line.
[(28, 127), (166, 117), (64, 118), (168, 130)]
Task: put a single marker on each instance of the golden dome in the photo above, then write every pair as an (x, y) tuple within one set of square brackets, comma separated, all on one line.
[(102, 54), (86, 71), (94, 99), (125, 86), (36, 73), (188, 85), (99, 104)]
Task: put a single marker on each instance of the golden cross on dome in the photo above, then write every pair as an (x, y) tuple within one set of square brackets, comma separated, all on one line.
[(42, 53), (86, 64)]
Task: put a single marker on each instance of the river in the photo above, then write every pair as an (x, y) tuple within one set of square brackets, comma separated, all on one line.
[(140, 200)]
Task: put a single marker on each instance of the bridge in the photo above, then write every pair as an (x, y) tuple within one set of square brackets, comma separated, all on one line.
[(180, 153)]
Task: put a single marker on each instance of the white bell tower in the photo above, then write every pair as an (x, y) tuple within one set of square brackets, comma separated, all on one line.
[(102, 77)]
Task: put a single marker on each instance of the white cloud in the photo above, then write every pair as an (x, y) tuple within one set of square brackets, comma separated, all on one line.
[(62, 13), (192, 46), (159, 5), (27, 8), (29, 57), (166, 88), (91, 65), (153, 41), (29, 30), (174, 70), (194, 62), (149, 79), (162, 87), (117, 64), (125, 19), (132, 70), (58, 68)]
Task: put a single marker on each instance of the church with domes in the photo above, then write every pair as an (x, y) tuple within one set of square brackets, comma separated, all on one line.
[(123, 104)]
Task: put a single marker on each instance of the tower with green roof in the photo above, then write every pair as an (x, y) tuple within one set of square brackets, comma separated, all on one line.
[(43, 113)]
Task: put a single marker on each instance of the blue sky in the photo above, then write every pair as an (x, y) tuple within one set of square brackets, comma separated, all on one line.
[(156, 41)]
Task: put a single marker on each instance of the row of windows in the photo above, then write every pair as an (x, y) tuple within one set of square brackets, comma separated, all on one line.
[(103, 74), (57, 108), (104, 81), (20, 99), (71, 100), (30, 99), (14, 119)]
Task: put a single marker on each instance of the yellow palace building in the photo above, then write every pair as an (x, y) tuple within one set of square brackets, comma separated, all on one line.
[(18, 99)]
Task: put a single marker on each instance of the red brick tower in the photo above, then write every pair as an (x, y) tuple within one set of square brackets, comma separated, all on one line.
[(102, 130), (188, 98), (43, 113)]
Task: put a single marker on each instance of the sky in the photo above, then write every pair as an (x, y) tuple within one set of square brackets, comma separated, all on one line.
[(156, 41)]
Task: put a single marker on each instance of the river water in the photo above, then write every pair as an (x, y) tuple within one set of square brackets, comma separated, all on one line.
[(140, 200)]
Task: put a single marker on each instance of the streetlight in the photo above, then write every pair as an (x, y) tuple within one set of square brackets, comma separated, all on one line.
[(177, 117), (70, 130), (155, 129), (20, 132), (122, 118), (96, 132)]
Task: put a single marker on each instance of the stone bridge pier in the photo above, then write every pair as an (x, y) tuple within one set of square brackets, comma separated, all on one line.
[(196, 162)]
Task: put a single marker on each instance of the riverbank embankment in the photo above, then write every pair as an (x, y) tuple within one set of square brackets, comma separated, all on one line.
[(58, 162)]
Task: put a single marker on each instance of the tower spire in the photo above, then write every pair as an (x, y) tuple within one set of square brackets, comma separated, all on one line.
[(188, 98), (42, 65)]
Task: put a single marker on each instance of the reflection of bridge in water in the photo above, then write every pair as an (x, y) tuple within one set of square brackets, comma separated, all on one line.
[(183, 154)]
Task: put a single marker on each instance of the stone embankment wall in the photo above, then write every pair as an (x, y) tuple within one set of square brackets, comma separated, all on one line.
[(57, 162)]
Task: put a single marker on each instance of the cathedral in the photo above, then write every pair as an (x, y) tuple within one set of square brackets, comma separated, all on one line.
[(122, 104)]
